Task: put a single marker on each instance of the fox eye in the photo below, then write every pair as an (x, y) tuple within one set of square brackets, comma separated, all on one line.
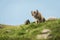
[(34, 12)]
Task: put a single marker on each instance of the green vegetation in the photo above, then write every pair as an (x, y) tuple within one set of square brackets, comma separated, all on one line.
[(29, 32)]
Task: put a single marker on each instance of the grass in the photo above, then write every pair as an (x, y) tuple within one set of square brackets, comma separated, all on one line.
[(29, 32)]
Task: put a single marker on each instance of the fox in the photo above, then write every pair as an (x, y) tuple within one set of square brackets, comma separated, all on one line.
[(38, 16)]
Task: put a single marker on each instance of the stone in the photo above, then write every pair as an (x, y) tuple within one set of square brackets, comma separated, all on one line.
[(44, 34)]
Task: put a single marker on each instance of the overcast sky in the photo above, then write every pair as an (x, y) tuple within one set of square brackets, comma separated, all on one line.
[(15, 12)]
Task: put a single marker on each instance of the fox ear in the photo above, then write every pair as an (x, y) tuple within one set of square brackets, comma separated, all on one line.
[(32, 13), (36, 9), (37, 12)]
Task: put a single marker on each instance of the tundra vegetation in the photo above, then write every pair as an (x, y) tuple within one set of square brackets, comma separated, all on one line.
[(49, 30)]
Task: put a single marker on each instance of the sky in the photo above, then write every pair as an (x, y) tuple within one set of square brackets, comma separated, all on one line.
[(15, 12)]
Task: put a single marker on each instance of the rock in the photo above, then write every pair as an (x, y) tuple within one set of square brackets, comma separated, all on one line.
[(51, 18), (45, 34), (44, 31), (42, 36), (8, 31)]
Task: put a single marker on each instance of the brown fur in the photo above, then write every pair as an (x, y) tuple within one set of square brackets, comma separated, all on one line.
[(37, 15)]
